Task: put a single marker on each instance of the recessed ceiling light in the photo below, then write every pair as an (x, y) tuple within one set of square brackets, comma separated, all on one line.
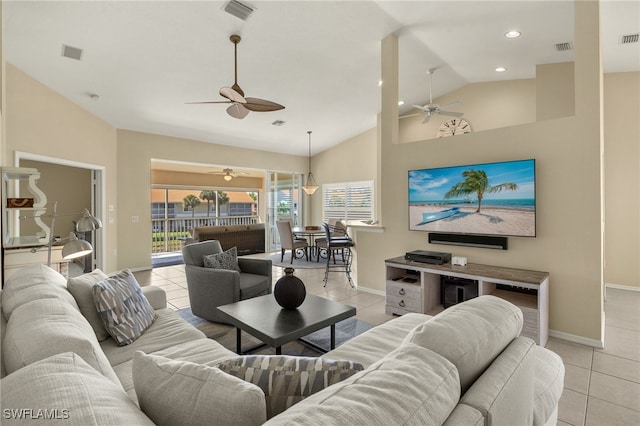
[(401, 102), (379, 83), (512, 34), (501, 69)]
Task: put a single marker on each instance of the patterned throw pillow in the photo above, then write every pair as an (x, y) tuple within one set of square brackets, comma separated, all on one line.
[(286, 380), (124, 310), (225, 260)]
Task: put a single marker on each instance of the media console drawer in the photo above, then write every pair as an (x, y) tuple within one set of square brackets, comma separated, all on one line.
[(403, 297)]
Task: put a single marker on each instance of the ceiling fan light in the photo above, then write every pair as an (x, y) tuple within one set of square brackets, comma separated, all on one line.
[(227, 177), (500, 69)]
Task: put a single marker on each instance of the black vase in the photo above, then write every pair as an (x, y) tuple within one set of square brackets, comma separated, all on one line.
[(289, 290)]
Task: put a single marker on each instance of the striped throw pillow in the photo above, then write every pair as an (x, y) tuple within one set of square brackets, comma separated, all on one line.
[(122, 307), (286, 380)]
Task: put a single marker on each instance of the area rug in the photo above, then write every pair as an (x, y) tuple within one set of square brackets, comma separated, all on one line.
[(225, 334), (299, 263)]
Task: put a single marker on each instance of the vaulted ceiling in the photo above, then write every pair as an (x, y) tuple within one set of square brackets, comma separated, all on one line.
[(143, 61)]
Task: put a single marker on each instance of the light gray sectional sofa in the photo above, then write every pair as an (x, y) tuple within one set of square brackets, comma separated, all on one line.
[(465, 366)]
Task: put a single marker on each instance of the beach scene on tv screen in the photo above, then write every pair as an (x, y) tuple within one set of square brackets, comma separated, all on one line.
[(489, 199)]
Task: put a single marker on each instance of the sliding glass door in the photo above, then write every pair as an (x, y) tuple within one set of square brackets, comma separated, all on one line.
[(283, 202)]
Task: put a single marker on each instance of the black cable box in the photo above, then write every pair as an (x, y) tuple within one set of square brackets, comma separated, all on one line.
[(424, 256)]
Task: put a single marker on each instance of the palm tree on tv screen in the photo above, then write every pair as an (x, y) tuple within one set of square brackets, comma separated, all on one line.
[(476, 182)]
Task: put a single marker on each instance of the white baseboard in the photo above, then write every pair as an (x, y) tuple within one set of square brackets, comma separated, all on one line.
[(576, 339), (372, 291), (622, 287)]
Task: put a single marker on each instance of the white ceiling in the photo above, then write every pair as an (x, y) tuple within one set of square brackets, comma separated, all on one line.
[(321, 59)]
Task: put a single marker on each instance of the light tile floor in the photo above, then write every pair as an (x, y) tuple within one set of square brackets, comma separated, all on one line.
[(602, 386)]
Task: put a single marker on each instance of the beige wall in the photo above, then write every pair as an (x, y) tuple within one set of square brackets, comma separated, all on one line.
[(135, 152), (555, 91), (622, 178), (487, 105), (41, 122)]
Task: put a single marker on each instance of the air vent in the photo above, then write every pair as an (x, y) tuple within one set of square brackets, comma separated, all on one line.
[(239, 10), (629, 38), (278, 123), (563, 47), (71, 52)]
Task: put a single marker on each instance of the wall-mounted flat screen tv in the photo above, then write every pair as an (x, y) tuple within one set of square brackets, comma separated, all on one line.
[(484, 199)]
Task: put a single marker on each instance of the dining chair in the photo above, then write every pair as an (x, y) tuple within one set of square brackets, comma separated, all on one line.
[(289, 242)]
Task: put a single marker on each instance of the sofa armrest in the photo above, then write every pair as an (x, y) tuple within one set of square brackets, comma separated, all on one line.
[(256, 266), (504, 392), (156, 296)]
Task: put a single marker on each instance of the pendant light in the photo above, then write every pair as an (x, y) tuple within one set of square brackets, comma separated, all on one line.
[(311, 187)]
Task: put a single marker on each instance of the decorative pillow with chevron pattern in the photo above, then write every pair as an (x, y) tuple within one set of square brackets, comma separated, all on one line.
[(123, 308), (286, 380)]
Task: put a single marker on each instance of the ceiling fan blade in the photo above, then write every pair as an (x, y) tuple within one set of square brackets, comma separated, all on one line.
[(232, 95), (209, 102), (451, 105), (262, 105), (426, 119), (421, 107), (237, 111), (451, 114)]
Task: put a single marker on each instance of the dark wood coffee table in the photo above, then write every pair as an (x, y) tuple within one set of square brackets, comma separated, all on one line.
[(264, 319)]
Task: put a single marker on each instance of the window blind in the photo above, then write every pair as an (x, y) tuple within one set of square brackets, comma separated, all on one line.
[(347, 201)]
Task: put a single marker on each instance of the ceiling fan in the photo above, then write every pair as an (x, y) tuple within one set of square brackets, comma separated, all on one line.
[(240, 106), (229, 174), (434, 109)]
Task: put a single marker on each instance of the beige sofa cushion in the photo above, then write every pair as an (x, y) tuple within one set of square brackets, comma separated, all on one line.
[(166, 331), (3, 330), (548, 385), (39, 329), (80, 288), (412, 385), (175, 393), (463, 415), (200, 351), (504, 393), (376, 343), (470, 334), (69, 389), (31, 283)]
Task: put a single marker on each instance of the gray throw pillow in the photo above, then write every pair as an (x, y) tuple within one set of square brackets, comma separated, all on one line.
[(226, 260), (174, 392), (81, 290), (286, 380), (123, 308)]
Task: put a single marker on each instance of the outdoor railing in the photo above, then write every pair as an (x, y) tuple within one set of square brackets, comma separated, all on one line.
[(168, 235)]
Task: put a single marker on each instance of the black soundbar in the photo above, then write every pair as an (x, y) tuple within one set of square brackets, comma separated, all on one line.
[(482, 241)]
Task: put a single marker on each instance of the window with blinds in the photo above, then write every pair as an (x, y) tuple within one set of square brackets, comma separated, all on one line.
[(348, 201)]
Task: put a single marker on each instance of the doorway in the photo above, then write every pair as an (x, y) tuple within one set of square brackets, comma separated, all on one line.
[(283, 202), (74, 186)]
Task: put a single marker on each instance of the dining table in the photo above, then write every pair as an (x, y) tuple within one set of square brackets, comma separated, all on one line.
[(311, 234)]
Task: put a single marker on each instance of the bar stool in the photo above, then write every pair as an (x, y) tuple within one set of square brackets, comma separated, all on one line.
[(342, 243)]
